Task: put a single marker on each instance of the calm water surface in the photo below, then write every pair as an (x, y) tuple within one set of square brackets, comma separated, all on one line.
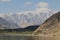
[(23, 37)]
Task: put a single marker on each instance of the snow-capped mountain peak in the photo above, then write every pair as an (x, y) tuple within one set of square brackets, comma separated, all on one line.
[(27, 18)]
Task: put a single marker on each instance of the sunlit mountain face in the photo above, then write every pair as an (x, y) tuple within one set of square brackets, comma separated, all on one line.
[(27, 13), (28, 18), (35, 17)]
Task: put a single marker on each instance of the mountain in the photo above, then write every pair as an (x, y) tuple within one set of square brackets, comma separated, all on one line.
[(25, 19), (51, 25), (26, 29), (4, 24), (31, 28)]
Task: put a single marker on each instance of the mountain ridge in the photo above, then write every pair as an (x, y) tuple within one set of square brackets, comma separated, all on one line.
[(51, 25), (4, 24), (28, 18)]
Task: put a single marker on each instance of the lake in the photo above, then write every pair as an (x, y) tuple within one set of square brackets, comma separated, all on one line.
[(25, 37)]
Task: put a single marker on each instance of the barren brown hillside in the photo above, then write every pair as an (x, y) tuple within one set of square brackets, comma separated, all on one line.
[(51, 25)]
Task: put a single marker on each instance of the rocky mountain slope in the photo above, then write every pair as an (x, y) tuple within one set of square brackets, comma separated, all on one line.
[(28, 18), (4, 24), (26, 29), (51, 25)]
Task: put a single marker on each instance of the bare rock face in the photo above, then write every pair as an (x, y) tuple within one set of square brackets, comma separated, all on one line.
[(51, 25)]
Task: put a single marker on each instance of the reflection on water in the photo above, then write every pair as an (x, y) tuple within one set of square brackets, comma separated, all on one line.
[(19, 37), (15, 37)]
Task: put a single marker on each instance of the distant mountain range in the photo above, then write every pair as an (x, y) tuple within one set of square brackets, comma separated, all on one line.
[(4, 24), (31, 22), (51, 25), (25, 19), (26, 29)]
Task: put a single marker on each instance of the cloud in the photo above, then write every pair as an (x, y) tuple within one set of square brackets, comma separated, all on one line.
[(42, 4), (42, 7), (28, 3), (5, 0)]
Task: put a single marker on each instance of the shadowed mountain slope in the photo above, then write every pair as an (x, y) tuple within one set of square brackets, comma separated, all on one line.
[(51, 25), (4, 24), (27, 29)]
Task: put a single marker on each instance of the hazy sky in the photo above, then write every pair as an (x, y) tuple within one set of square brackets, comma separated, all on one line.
[(27, 5)]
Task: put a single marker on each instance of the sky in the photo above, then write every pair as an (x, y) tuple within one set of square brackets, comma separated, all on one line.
[(7, 6)]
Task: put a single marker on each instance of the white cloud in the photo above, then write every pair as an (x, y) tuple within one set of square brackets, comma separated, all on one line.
[(40, 10), (42, 4), (5, 0), (42, 7), (28, 3)]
